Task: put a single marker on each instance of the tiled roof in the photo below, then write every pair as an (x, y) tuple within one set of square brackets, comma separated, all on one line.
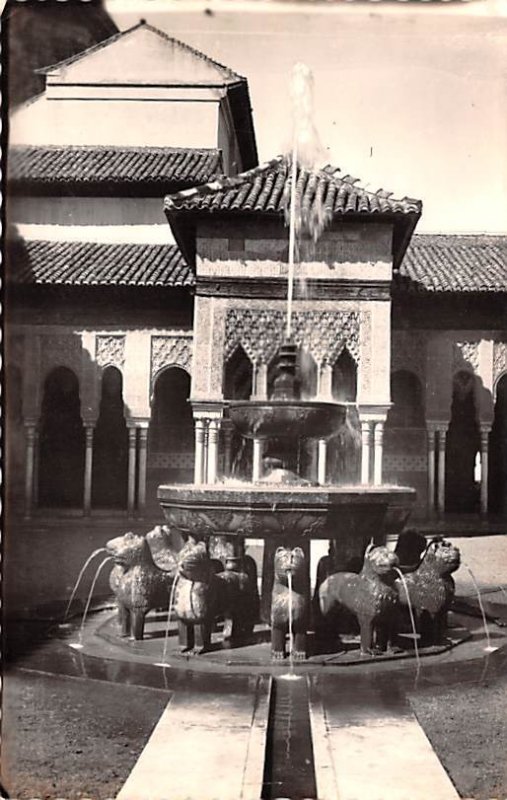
[(226, 74), (96, 264), (86, 164), (267, 187), (445, 263)]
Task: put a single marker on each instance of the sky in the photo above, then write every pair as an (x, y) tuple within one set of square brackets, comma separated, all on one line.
[(408, 97)]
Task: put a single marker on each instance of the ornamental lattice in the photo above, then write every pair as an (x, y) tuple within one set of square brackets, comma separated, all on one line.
[(466, 356), (172, 350), (110, 351), (324, 334), (499, 359)]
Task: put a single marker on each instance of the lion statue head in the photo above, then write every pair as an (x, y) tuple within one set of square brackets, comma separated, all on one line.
[(128, 549), (379, 560), (443, 556), (289, 560)]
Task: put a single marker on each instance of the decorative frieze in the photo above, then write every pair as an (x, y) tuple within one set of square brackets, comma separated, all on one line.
[(465, 356), (499, 359), (366, 347), (110, 351), (171, 350), (324, 334)]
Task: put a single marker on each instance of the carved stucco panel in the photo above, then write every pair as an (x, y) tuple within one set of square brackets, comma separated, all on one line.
[(170, 350), (324, 334), (110, 351), (366, 347), (465, 356), (499, 359)]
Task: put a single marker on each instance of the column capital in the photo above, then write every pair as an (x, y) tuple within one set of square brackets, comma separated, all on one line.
[(485, 428)]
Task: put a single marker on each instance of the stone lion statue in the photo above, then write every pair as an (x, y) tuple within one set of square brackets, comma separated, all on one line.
[(371, 596), (291, 561), (431, 590), (139, 585)]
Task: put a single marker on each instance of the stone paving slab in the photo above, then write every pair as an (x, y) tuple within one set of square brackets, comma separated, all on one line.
[(487, 558), (374, 748), (205, 747)]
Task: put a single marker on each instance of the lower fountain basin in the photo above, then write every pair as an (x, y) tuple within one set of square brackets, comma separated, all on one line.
[(287, 512), (300, 419)]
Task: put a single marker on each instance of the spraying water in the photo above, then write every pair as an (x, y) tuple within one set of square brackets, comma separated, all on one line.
[(412, 620), (489, 648), (79, 577), (290, 676), (164, 663), (307, 153), (79, 644)]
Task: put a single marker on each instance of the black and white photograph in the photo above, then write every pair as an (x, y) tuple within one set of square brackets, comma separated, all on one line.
[(254, 450)]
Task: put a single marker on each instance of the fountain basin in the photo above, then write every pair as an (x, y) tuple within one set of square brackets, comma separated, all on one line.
[(305, 419), (346, 513)]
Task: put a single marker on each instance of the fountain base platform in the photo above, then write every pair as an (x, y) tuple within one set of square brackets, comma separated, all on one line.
[(101, 636)]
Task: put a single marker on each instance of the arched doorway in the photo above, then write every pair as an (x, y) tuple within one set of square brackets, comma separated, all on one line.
[(238, 376), (463, 443), (344, 450), (238, 385), (405, 457), (62, 442), (498, 452), (344, 378), (170, 433), (110, 445)]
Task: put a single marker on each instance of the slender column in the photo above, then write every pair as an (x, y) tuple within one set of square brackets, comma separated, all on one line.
[(257, 459), (227, 434), (141, 478), (29, 467), (485, 431), (87, 492), (431, 470), (199, 451), (441, 470), (378, 440), (213, 429), (365, 451), (131, 491), (321, 461)]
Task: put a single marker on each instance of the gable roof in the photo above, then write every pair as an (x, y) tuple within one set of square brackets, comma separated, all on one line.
[(266, 189), (220, 74), (90, 166), (436, 264)]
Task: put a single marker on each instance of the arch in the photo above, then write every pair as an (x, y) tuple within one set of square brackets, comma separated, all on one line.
[(407, 410), (238, 376), (344, 378), (498, 451), (462, 446), (170, 432), (110, 444), (62, 441)]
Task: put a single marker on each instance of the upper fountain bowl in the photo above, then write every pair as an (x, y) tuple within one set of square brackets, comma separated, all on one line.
[(301, 419)]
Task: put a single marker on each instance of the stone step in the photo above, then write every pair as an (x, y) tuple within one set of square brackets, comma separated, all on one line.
[(206, 746), (370, 746)]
